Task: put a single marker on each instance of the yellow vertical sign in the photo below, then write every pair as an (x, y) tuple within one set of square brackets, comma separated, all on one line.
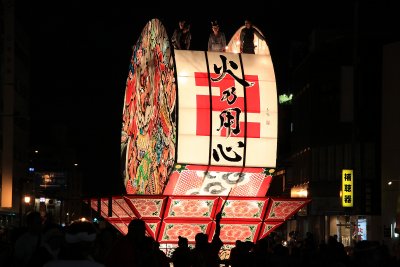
[(347, 188)]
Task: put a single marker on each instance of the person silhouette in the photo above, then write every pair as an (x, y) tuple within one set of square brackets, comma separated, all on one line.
[(204, 253), (136, 249), (181, 255), (129, 248), (27, 243), (182, 36), (80, 240), (247, 37), (216, 40), (52, 242)]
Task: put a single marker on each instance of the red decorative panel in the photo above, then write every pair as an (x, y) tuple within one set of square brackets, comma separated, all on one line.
[(104, 208), (183, 181), (268, 227), (184, 207), (282, 209), (121, 226), (93, 205), (147, 206), (244, 209), (225, 251), (167, 217), (235, 230), (122, 209), (218, 181), (170, 230), (152, 226)]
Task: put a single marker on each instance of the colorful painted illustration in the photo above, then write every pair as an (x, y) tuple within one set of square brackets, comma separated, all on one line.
[(148, 122)]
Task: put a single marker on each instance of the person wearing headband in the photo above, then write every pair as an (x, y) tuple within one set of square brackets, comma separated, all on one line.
[(216, 40)]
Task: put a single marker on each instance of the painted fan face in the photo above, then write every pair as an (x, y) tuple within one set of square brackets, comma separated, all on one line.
[(148, 128)]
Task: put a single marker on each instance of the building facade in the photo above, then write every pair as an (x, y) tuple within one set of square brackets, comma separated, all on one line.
[(14, 110), (335, 124), (390, 145)]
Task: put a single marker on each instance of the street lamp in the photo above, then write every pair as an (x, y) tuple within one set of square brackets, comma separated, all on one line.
[(27, 199), (391, 181), (395, 210)]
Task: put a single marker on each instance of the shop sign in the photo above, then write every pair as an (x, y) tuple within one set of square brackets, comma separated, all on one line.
[(347, 188)]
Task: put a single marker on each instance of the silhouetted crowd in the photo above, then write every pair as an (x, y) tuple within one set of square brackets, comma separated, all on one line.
[(83, 243)]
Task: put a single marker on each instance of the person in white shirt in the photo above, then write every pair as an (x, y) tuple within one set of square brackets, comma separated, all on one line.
[(216, 40)]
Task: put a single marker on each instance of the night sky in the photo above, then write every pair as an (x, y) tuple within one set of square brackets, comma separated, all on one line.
[(80, 53)]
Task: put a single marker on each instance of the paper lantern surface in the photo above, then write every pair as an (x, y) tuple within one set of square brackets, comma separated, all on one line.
[(148, 123)]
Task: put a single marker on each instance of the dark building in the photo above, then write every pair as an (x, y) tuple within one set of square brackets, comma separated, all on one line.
[(39, 166), (390, 144), (335, 125), (56, 176), (14, 110)]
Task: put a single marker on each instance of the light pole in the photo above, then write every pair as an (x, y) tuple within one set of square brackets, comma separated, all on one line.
[(27, 201), (395, 226)]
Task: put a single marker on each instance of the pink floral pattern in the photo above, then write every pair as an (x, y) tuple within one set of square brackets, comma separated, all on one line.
[(233, 232), (268, 227), (243, 209), (104, 209), (123, 207), (148, 207), (283, 209), (120, 212), (191, 208), (173, 230), (188, 215), (153, 228)]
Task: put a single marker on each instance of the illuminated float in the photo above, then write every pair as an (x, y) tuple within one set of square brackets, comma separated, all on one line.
[(199, 132)]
